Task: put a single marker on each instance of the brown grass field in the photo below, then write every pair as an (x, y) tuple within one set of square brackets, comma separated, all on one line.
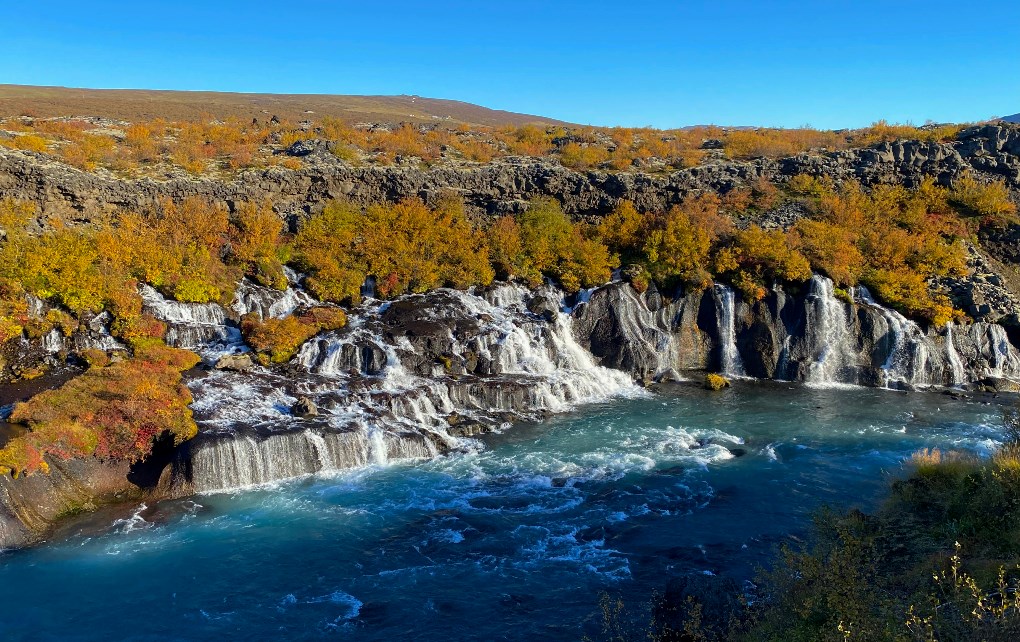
[(145, 104)]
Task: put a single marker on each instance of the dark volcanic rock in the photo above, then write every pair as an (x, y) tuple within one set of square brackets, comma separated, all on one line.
[(31, 506), (505, 185)]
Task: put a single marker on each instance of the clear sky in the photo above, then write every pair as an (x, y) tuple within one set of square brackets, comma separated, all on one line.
[(641, 62)]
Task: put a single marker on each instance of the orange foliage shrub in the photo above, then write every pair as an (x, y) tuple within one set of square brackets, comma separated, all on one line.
[(277, 340), (577, 156), (757, 258), (679, 246), (112, 411), (407, 247), (256, 242), (891, 239), (989, 201), (777, 143), (622, 228), (552, 246)]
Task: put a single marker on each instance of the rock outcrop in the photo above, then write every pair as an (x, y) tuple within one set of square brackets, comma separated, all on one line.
[(810, 336), (502, 186), (31, 506)]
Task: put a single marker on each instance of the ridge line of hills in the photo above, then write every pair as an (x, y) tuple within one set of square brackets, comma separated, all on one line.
[(147, 104)]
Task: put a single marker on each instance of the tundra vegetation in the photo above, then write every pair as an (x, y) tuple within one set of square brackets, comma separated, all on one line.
[(891, 239), (231, 145)]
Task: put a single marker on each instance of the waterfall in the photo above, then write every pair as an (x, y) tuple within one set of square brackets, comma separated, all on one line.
[(730, 362), (829, 324), (189, 325), (913, 359), (957, 372), (53, 341), (384, 395), (419, 375), (999, 356), (244, 460), (96, 335), (267, 302)]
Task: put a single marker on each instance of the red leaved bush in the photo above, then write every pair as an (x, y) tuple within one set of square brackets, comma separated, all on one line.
[(111, 411)]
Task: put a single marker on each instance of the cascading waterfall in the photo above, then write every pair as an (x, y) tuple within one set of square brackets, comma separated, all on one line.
[(999, 357), (189, 325), (411, 383), (829, 325), (53, 341), (730, 362), (373, 406), (240, 460), (268, 303), (957, 372), (912, 356)]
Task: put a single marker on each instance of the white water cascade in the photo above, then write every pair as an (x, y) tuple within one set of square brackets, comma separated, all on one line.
[(829, 321), (420, 375), (381, 397), (725, 304), (267, 302), (189, 325)]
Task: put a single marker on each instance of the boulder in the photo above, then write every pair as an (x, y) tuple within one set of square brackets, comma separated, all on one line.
[(236, 362), (305, 408)]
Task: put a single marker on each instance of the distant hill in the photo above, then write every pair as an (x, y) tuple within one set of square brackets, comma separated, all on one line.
[(1015, 118), (146, 104)]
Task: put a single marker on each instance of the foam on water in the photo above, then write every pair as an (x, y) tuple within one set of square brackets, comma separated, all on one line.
[(523, 534)]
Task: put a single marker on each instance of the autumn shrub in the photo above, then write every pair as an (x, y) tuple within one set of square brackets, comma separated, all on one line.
[(278, 340), (937, 561), (527, 140), (177, 248), (989, 202), (678, 247), (89, 151), (622, 228), (764, 194), (406, 247), (776, 143), (807, 185), (59, 264), (506, 247), (757, 258), (552, 246), (891, 239), (716, 382), (112, 411), (326, 247), (882, 131), (832, 250), (28, 142), (256, 242), (577, 156)]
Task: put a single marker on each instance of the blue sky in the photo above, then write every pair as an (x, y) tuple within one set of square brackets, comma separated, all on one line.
[(666, 64)]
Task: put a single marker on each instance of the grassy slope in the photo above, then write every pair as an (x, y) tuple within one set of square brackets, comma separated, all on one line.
[(145, 104)]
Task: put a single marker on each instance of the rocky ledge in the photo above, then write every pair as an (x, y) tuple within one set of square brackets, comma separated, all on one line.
[(505, 185)]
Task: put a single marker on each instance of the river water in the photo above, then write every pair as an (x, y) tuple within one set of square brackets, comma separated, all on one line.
[(512, 540)]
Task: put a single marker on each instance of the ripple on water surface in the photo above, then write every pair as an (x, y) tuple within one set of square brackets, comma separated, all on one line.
[(514, 541)]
